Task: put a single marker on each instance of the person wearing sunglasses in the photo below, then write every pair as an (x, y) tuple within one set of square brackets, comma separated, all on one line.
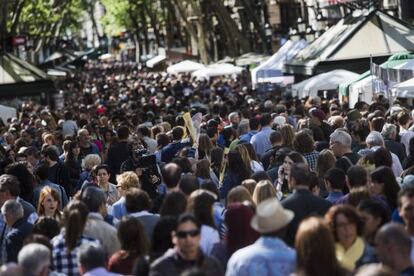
[(186, 253)]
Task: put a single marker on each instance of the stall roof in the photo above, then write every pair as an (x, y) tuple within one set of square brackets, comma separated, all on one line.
[(357, 36)]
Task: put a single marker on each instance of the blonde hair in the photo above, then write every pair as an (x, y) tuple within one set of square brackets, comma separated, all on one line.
[(264, 190), (244, 153), (128, 180), (249, 184), (90, 161)]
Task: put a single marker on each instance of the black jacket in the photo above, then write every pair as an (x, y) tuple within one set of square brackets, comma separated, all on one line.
[(117, 154), (397, 148), (15, 237), (304, 204)]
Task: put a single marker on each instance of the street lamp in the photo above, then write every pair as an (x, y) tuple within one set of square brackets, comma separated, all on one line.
[(269, 35), (310, 34), (294, 35), (301, 25)]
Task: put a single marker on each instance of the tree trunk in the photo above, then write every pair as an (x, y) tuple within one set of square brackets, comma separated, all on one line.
[(256, 21), (16, 17)]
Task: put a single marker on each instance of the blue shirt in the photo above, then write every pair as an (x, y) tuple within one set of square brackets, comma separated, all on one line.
[(261, 142), (119, 209), (248, 136), (334, 197), (267, 256)]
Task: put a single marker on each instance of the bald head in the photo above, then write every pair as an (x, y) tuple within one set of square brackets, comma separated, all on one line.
[(395, 234), (171, 175)]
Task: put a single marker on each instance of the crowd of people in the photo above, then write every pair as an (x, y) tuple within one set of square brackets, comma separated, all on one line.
[(145, 173)]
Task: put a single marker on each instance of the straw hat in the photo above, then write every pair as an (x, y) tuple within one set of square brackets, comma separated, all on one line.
[(271, 216)]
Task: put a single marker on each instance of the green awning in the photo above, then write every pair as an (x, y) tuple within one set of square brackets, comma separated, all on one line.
[(392, 62)]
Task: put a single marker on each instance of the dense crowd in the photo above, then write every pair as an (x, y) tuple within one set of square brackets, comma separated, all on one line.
[(145, 173)]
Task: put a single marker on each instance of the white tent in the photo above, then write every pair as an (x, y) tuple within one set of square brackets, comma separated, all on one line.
[(7, 112), (271, 68), (325, 81), (185, 66), (214, 70), (404, 89), (363, 90)]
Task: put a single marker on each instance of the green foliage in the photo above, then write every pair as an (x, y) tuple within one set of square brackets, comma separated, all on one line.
[(117, 17)]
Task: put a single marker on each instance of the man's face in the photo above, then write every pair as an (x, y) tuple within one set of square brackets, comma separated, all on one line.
[(187, 238), (407, 210), (335, 147), (84, 137)]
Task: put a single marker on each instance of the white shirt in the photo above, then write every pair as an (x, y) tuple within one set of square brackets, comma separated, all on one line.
[(406, 136)]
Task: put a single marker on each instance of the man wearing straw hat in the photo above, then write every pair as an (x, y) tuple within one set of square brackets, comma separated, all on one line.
[(269, 255)]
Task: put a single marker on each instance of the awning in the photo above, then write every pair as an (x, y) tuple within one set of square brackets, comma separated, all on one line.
[(404, 89), (215, 70), (155, 60), (186, 66), (352, 42)]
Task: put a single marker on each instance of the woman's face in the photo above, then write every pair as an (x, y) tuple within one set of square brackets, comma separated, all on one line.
[(102, 176), (108, 137), (287, 164), (371, 223), (50, 205), (376, 188), (346, 231), (76, 150)]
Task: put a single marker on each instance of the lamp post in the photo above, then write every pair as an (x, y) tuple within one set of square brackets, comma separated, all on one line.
[(293, 34), (269, 36), (321, 24), (310, 34), (301, 25)]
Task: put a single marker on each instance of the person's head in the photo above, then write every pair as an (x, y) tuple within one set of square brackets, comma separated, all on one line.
[(200, 203), (177, 133), (49, 202), (288, 135), (345, 224), (403, 119), (244, 153), (383, 183), (94, 199), (406, 207), (374, 139), (325, 161), (203, 169), (239, 232), (217, 155), (393, 246), (101, 172), (291, 158), (174, 204), (264, 190), (186, 236), (171, 175), (90, 161), (254, 123), (340, 142), (271, 218), (83, 136), (275, 138), (12, 211), (299, 176), (377, 124), (315, 245), (243, 127), (239, 194), (303, 142), (91, 256), (389, 131), (74, 150), (161, 236), (34, 259), (137, 200), (42, 172), (357, 176), (335, 179), (75, 215), (188, 184), (132, 237), (250, 185), (46, 226), (204, 145), (265, 120), (234, 118), (127, 181), (373, 215), (9, 187), (237, 165)]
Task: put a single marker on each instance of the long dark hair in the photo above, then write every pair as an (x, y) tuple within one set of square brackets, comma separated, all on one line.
[(385, 175), (26, 179), (131, 235), (237, 166), (69, 156), (75, 215)]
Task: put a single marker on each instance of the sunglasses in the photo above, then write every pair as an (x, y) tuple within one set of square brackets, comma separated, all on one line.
[(191, 233)]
